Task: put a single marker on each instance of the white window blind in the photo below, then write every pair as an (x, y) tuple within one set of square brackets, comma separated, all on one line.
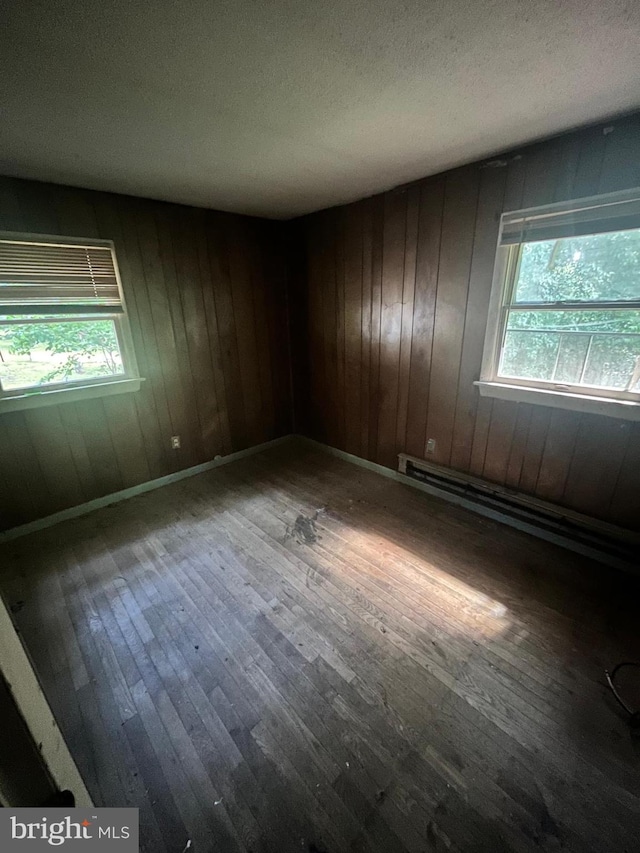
[(588, 218), (48, 278)]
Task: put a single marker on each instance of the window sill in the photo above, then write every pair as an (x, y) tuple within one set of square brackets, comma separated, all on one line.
[(35, 399), (610, 407)]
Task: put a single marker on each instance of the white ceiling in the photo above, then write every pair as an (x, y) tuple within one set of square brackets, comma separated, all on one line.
[(280, 107)]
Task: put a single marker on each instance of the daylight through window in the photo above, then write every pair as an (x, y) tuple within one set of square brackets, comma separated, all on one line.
[(62, 317), (568, 313)]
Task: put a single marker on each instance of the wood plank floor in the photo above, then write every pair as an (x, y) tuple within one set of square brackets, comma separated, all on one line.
[(290, 653)]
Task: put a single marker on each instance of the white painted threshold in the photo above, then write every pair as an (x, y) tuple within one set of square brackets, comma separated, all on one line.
[(24, 686)]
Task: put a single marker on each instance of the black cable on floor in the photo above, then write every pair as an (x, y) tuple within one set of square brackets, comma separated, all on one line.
[(634, 714)]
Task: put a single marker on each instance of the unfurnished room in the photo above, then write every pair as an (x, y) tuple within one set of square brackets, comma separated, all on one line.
[(320, 426)]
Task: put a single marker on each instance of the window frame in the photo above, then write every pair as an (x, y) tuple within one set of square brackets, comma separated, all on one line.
[(612, 402), (55, 393)]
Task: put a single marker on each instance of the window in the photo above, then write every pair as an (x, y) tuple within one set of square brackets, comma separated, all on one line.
[(64, 332), (564, 321)]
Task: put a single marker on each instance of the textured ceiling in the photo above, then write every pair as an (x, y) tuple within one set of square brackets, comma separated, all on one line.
[(280, 107)]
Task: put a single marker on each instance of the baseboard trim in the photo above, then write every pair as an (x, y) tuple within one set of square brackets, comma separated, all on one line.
[(458, 500), (132, 491), (489, 512)]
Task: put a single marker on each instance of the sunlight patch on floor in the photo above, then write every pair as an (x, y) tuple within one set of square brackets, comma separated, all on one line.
[(439, 599)]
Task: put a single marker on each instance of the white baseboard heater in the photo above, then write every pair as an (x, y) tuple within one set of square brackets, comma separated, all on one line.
[(599, 539)]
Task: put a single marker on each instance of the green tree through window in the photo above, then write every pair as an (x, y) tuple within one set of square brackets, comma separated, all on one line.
[(591, 346)]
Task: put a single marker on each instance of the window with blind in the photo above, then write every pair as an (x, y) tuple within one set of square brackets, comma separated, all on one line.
[(564, 322), (63, 322)]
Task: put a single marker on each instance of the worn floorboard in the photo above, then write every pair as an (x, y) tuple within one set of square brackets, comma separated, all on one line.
[(291, 653)]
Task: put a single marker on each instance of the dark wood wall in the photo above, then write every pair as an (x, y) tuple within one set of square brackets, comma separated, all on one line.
[(388, 303), (207, 300), (389, 321)]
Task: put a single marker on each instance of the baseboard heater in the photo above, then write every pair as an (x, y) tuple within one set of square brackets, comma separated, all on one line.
[(606, 542)]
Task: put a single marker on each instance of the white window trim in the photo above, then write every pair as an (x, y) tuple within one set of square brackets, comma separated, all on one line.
[(618, 404), (68, 392)]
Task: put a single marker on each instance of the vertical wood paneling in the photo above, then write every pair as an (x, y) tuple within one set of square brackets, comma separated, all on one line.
[(600, 447), (126, 438), (624, 501), (317, 376), (558, 450), (408, 300), (340, 330), (205, 390), (220, 272), (424, 312), (75, 438), (105, 471), (490, 205), (376, 307), (291, 236), (621, 163), (244, 322), (534, 449), (458, 223), (49, 439), (263, 320), (484, 414), (189, 422), (210, 277), (206, 298), (353, 310), (393, 253), (422, 332), (518, 449), (15, 494), (366, 208), (276, 244), (329, 398), (166, 347)]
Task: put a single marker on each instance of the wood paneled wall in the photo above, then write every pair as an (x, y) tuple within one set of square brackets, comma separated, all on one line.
[(389, 315), (206, 296), (388, 301)]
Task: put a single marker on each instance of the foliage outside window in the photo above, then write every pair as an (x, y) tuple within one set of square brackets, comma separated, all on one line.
[(566, 306), (63, 323)]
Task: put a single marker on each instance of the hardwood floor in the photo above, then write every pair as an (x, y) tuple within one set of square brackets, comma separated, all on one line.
[(291, 653)]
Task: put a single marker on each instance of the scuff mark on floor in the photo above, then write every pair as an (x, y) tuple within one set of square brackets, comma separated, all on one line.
[(304, 528)]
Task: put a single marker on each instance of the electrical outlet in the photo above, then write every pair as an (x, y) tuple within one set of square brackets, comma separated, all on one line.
[(175, 442), (431, 445)]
